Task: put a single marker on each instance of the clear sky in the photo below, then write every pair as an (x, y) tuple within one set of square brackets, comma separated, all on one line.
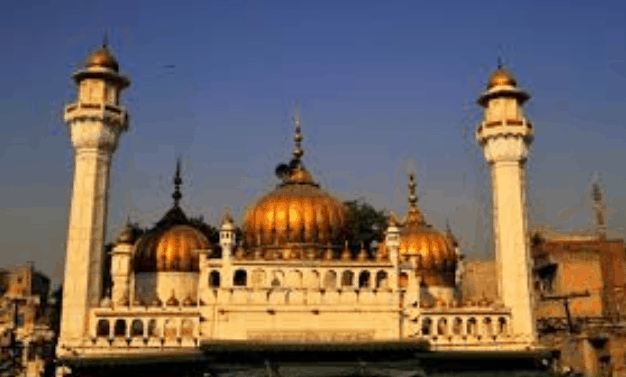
[(386, 87)]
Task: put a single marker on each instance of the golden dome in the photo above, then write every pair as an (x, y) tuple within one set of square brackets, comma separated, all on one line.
[(102, 58), (173, 245), (173, 250), (501, 77), (434, 249), (298, 210)]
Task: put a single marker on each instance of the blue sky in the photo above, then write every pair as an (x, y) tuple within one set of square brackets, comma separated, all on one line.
[(386, 88)]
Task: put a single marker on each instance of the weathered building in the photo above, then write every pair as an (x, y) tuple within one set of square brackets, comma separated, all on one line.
[(24, 320)]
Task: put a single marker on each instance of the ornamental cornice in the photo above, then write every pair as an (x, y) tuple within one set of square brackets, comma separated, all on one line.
[(501, 148), (115, 116), (508, 128), (95, 129)]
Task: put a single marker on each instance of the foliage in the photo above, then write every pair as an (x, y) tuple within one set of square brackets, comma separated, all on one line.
[(55, 310), (137, 230), (211, 232), (365, 225)]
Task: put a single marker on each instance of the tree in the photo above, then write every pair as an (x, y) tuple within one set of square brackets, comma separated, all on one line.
[(55, 310), (365, 225), (211, 232)]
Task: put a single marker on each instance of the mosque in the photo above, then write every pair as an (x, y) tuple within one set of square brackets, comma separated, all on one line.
[(289, 290)]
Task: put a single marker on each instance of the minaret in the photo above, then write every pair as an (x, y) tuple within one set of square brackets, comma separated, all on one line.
[(599, 210), (505, 135), (95, 122)]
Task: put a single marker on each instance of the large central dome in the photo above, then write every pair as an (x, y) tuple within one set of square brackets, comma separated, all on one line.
[(297, 211)]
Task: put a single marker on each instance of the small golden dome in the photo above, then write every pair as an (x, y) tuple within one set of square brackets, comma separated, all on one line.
[(102, 58), (173, 250), (501, 77), (431, 245), (173, 245), (436, 253)]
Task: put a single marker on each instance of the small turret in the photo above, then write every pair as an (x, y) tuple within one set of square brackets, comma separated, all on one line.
[(227, 234)]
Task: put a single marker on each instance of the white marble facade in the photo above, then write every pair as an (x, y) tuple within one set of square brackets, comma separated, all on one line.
[(293, 281)]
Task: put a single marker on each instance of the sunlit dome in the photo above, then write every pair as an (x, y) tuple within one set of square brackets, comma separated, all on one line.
[(433, 248), (501, 77), (297, 211), (102, 58), (174, 245)]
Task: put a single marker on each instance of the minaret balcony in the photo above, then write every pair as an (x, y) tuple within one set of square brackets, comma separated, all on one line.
[(512, 127), (113, 114)]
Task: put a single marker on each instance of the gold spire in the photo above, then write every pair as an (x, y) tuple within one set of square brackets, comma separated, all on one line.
[(105, 39), (177, 182), (297, 172), (414, 216), (297, 137)]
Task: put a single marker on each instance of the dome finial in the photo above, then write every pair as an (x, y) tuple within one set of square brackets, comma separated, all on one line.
[(177, 182), (412, 194), (414, 215), (297, 150), (499, 62), (105, 39)]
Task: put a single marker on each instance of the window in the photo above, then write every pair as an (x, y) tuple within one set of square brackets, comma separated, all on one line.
[(426, 324), (545, 279), (364, 279), (120, 327), (103, 328), (457, 327), (240, 278), (471, 326), (152, 328), (502, 325), (381, 279), (346, 278), (136, 328), (442, 327), (214, 279)]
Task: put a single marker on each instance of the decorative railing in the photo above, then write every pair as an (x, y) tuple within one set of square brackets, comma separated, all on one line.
[(308, 297), (94, 106), (145, 327), (460, 329)]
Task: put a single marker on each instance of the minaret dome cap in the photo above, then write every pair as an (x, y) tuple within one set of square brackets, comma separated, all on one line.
[(102, 58), (501, 77)]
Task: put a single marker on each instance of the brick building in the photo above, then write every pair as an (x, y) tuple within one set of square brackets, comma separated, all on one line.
[(24, 324), (579, 281)]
